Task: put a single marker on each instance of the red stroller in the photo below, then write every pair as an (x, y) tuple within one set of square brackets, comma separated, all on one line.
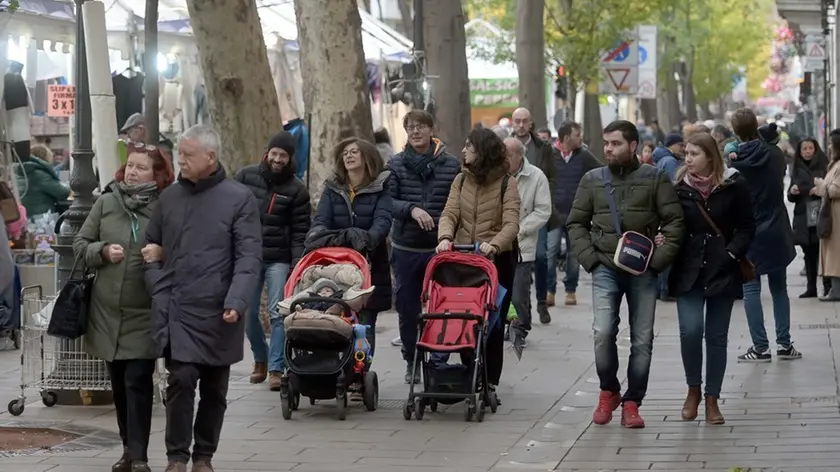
[(323, 354), (459, 290)]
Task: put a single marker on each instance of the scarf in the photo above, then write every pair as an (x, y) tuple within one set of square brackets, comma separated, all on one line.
[(420, 164), (137, 196), (704, 185)]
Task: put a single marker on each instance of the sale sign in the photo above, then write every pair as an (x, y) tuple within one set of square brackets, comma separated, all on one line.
[(61, 100)]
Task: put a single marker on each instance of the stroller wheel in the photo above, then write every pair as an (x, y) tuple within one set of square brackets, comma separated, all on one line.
[(370, 395), (286, 403), (469, 409), (408, 409), (341, 403), (419, 408), (479, 414), (433, 405)]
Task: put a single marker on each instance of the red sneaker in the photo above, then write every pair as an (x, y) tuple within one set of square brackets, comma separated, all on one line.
[(607, 403), (630, 416)]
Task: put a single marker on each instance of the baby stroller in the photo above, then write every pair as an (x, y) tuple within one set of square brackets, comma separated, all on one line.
[(327, 354), (459, 290)]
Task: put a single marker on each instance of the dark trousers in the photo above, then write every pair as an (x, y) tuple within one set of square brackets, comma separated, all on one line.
[(495, 353), (812, 264), (521, 295), (409, 270), (132, 383), (212, 383)]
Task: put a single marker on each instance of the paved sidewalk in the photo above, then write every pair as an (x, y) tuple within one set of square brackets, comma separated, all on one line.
[(781, 416)]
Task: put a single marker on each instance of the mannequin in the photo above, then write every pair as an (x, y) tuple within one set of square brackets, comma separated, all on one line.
[(18, 110), (171, 113)]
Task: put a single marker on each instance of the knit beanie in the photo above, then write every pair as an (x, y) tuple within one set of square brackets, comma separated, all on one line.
[(284, 141)]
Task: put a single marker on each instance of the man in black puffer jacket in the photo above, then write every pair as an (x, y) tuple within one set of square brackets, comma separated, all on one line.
[(421, 176), (285, 213)]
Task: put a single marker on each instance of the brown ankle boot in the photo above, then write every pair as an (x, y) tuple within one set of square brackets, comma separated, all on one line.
[(692, 402), (713, 414), (260, 372)]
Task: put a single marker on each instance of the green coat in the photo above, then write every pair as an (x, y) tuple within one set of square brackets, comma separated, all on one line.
[(119, 322), (646, 202), (40, 187)]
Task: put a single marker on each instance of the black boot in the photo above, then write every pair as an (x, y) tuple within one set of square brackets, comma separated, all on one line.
[(542, 310)]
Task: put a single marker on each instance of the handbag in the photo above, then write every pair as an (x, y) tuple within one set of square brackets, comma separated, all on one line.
[(634, 250), (824, 219), (8, 205), (812, 212), (746, 267), (70, 311)]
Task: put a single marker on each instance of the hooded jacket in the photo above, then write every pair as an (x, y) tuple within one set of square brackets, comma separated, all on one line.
[(40, 187), (480, 213), (763, 168), (666, 161), (284, 207), (410, 189)]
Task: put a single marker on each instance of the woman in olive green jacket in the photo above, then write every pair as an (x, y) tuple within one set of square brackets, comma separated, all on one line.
[(119, 321)]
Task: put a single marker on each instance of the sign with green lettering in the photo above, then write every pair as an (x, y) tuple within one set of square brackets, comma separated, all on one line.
[(494, 93)]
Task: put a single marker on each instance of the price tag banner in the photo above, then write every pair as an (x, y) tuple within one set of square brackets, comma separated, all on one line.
[(61, 100)]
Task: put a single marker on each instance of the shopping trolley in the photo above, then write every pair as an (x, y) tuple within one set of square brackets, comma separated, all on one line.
[(49, 364)]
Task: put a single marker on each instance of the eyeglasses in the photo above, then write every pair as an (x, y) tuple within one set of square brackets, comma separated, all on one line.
[(412, 128), (142, 146), (351, 152)]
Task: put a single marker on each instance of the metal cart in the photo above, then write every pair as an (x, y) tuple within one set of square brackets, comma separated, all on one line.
[(49, 364)]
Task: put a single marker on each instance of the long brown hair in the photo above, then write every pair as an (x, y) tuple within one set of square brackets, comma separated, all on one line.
[(370, 156), (707, 143)]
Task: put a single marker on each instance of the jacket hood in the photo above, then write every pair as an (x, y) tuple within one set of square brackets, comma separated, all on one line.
[(33, 164), (376, 186), (753, 153), (662, 152), (437, 145)]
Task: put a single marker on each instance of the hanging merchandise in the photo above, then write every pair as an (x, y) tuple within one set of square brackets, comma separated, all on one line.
[(202, 114), (128, 91), (298, 129), (18, 111)]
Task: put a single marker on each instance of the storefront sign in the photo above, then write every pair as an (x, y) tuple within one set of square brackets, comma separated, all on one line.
[(495, 93), (61, 100)]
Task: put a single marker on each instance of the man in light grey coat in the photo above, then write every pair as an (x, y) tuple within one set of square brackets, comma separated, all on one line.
[(204, 256)]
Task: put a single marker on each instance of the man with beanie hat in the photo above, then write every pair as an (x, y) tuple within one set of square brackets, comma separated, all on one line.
[(285, 213)]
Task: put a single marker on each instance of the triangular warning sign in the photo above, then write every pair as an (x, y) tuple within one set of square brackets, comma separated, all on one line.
[(618, 77), (816, 51)]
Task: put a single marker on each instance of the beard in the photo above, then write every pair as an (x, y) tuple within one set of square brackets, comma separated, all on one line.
[(622, 161)]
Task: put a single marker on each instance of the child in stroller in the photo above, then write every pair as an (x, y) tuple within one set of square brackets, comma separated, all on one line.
[(326, 351)]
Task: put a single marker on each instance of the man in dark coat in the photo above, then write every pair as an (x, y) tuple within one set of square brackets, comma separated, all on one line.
[(763, 166), (421, 176), (285, 214), (203, 261)]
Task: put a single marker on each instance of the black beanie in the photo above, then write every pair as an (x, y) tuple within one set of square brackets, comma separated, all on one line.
[(284, 141)]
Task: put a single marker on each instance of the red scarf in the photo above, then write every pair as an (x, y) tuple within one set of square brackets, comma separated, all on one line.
[(704, 185)]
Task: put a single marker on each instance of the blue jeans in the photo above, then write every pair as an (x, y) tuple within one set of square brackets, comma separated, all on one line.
[(663, 282), (693, 326), (545, 266), (608, 287), (777, 281), (274, 277), (570, 280)]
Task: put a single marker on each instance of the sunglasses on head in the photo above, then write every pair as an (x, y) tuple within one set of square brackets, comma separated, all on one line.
[(143, 146)]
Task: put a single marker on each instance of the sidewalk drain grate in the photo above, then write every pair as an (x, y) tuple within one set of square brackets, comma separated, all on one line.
[(79, 438), (820, 326), (398, 405)]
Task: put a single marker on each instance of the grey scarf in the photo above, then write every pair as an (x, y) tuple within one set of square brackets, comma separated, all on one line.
[(137, 196)]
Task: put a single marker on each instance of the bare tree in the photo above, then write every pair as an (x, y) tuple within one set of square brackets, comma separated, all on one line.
[(446, 64), (333, 71), (530, 58), (242, 98)]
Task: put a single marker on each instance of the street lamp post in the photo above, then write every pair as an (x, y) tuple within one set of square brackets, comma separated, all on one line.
[(83, 182)]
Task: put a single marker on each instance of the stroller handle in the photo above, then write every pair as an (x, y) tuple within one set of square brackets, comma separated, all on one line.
[(452, 316), (471, 248), (345, 308)]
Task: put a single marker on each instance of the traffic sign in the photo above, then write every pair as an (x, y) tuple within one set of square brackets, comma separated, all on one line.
[(814, 59), (625, 53), (647, 89), (642, 55), (647, 35), (620, 52), (619, 79)]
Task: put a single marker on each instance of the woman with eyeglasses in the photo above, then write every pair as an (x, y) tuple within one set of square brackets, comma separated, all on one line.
[(119, 320), (483, 209), (356, 199)]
